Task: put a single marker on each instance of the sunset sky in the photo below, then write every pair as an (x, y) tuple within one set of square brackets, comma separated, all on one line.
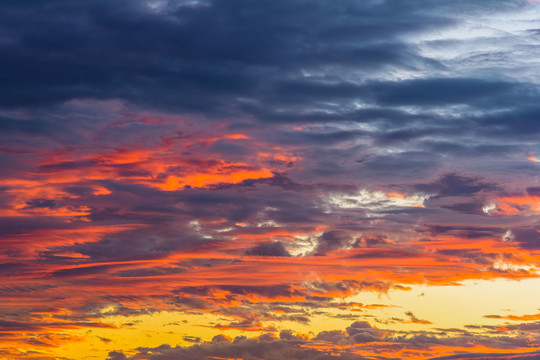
[(269, 180)]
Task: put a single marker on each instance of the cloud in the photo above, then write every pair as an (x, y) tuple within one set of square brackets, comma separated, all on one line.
[(263, 162), (449, 91), (287, 346), (416, 320), (487, 356), (455, 185), (265, 347), (350, 344), (268, 249), (529, 238), (205, 67)]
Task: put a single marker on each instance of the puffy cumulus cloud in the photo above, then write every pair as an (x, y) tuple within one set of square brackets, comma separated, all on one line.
[(334, 240), (264, 347), (359, 341), (286, 345)]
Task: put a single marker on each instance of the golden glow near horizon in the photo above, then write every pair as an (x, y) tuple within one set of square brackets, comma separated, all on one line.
[(420, 309)]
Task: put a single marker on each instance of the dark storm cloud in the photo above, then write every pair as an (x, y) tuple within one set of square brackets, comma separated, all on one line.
[(467, 208), (165, 219), (136, 245), (481, 93), (272, 291), (366, 115), (201, 57), (275, 248), (68, 165), (441, 91), (333, 240), (252, 60), (79, 190), (228, 56), (469, 232), (519, 122), (529, 238), (41, 203), (278, 180), (6, 325), (236, 204), (10, 268), (10, 125), (474, 255), (409, 164), (16, 225), (455, 185)]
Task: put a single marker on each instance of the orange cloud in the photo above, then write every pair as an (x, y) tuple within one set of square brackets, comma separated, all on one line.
[(531, 317)]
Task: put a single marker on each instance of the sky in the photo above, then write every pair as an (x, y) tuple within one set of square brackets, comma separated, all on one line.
[(268, 180)]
